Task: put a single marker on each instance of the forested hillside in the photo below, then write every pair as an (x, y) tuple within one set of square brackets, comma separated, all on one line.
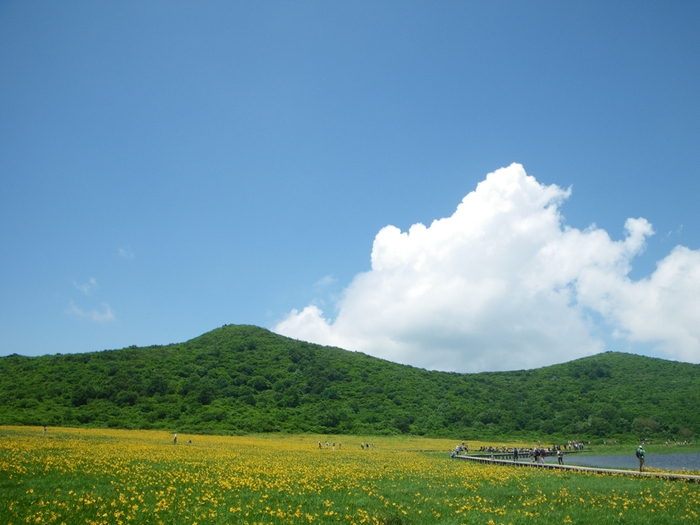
[(247, 379)]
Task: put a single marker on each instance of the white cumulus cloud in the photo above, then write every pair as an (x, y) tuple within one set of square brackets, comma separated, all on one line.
[(504, 284)]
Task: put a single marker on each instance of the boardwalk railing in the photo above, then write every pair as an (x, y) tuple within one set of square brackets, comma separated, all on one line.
[(525, 462), (509, 455)]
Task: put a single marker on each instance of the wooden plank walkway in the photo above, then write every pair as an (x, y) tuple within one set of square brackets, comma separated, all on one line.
[(579, 468)]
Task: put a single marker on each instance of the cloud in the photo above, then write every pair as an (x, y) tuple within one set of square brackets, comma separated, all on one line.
[(504, 284), (662, 309), (87, 287), (98, 317), (325, 281), (126, 253)]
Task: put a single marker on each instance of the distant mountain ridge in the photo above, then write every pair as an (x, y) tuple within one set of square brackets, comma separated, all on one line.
[(241, 378)]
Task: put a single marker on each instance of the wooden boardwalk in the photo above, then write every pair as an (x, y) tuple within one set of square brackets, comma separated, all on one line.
[(577, 468)]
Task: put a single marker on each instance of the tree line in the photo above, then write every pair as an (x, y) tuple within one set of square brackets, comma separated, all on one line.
[(240, 379)]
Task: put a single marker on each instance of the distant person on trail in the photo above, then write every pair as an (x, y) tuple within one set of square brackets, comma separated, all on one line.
[(640, 455), (175, 439), (515, 453), (44, 430), (560, 457)]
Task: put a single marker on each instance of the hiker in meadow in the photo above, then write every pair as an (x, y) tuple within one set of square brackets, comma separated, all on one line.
[(515, 453), (560, 457), (175, 439), (640, 455)]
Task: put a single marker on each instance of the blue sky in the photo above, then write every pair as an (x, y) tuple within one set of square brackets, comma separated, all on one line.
[(167, 168)]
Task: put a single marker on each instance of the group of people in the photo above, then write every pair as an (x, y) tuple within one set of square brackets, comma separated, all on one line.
[(332, 445), (459, 449), (538, 454), (575, 445), (462, 448), (363, 445), (679, 443)]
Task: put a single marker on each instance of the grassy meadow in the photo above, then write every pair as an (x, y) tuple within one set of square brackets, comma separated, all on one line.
[(98, 476)]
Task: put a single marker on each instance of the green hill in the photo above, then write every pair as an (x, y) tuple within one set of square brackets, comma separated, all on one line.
[(246, 379)]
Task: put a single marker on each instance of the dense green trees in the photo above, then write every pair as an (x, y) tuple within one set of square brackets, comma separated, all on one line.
[(247, 379)]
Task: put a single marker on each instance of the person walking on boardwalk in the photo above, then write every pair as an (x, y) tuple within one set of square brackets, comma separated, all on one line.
[(560, 457), (640, 455)]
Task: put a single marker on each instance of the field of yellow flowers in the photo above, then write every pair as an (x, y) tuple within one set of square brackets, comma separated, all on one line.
[(91, 476)]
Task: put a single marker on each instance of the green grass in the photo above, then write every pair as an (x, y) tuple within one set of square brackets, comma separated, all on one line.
[(115, 477)]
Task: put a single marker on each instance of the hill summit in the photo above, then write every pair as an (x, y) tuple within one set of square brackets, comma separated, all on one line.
[(241, 378)]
